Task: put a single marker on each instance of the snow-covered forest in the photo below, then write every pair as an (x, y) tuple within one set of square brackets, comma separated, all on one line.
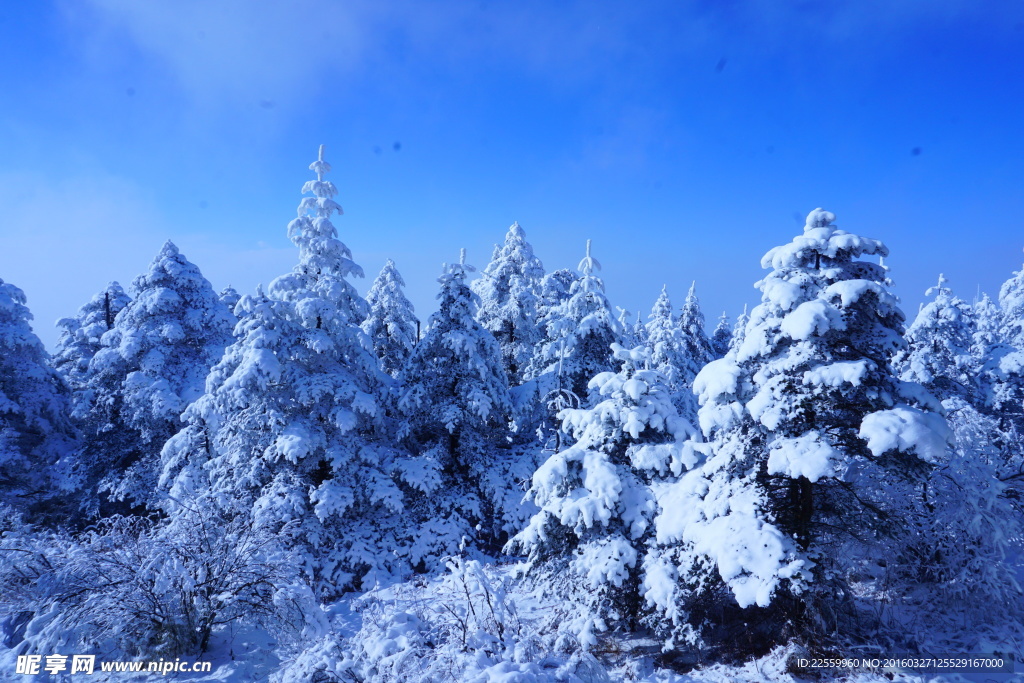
[(298, 483)]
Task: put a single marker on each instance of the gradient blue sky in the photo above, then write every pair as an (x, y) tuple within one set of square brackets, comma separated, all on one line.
[(684, 138)]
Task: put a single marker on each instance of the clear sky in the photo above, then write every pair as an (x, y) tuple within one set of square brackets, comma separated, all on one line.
[(684, 138)]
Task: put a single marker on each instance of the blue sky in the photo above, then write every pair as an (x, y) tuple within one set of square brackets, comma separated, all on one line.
[(685, 138)]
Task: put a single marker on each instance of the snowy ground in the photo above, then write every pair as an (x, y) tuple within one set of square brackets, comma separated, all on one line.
[(423, 630)]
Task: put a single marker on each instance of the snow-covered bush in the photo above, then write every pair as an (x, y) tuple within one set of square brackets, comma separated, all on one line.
[(462, 626), (129, 588)]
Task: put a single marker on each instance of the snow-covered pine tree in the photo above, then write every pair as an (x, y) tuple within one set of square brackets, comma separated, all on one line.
[(391, 323), (454, 404), (579, 332), (721, 337), (696, 347), (289, 430), (1011, 301), (35, 432), (739, 330), (152, 365), (1001, 355), (988, 321), (229, 296), (628, 336), (590, 536), (640, 331), (80, 336), (815, 448), (665, 339), (508, 292), (554, 292), (938, 355)]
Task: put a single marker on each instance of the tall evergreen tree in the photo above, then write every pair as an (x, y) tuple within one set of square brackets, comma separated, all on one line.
[(665, 338), (721, 338), (938, 354), (35, 432), (80, 336), (590, 535), (1002, 356), (579, 332), (667, 342), (152, 365), (640, 332), (739, 330), (230, 297), (289, 434), (815, 448), (1011, 301), (454, 404), (391, 323), (629, 337), (696, 347), (508, 293)]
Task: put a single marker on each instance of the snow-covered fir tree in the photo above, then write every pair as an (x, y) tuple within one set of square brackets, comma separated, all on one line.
[(628, 336), (554, 290), (665, 339), (230, 297), (1011, 301), (152, 365), (35, 433), (579, 332), (289, 431), (721, 337), (391, 323), (80, 336), (939, 341), (553, 293), (739, 329), (640, 332), (508, 292), (695, 345), (279, 442), (589, 538), (454, 404), (815, 449), (988, 321)]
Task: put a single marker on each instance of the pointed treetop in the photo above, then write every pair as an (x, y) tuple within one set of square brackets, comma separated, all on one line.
[(589, 264), (169, 249), (320, 167), (462, 257), (692, 291)]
